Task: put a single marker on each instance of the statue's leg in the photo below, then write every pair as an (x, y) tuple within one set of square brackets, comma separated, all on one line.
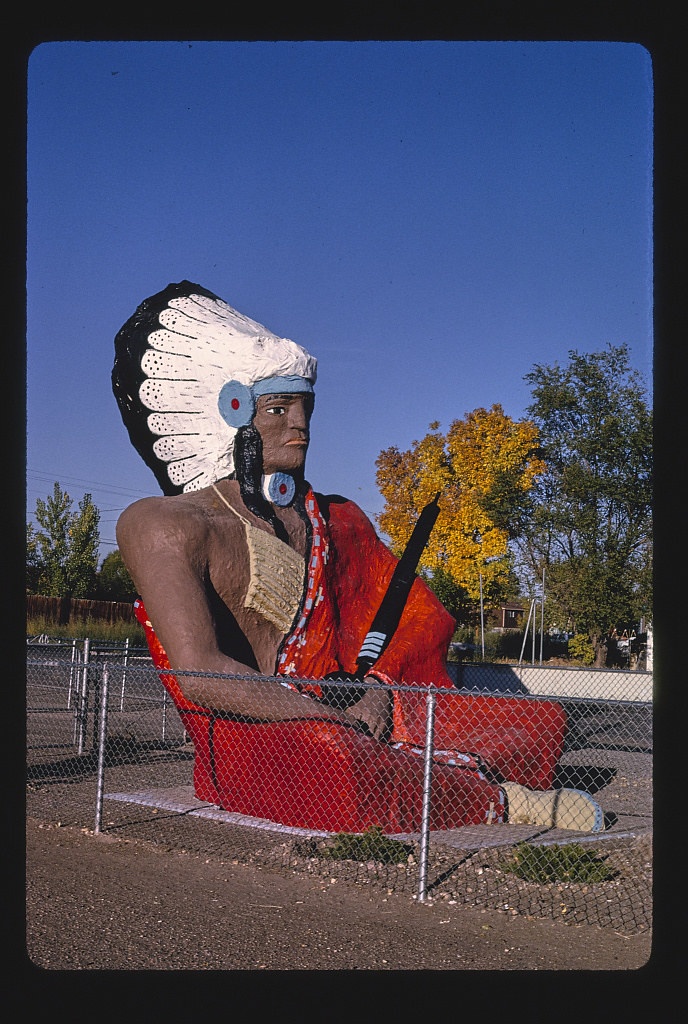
[(554, 808)]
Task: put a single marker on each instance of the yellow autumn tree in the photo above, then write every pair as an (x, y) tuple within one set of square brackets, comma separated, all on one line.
[(483, 469)]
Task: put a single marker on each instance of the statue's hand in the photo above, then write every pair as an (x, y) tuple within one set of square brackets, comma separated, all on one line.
[(374, 712)]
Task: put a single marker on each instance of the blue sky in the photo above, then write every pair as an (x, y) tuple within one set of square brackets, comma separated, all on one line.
[(429, 219)]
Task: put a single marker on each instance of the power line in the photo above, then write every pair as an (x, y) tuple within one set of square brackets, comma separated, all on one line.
[(88, 483), (120, 508)]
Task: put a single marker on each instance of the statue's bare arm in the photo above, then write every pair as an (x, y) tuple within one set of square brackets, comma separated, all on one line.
[(164, 546)]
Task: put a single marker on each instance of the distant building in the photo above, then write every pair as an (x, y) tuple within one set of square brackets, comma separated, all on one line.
[(510, 616)]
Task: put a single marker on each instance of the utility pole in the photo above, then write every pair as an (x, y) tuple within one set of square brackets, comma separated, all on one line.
[(542, 616), (482, 618)]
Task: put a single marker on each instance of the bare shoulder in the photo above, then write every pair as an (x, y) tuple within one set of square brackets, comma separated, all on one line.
[(175, 547), (182, 521), (159, 522)]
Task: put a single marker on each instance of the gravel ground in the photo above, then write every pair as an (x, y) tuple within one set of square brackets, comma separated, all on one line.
[(100, 903)]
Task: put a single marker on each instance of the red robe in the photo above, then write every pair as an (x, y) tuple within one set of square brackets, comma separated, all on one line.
[(316, 774)]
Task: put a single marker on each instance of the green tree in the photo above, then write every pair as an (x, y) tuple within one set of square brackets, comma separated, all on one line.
[(452, 595), (34, 564), (591, 528), (62, 556), (114, 581)]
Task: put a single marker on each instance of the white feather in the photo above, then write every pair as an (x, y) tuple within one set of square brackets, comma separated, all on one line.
[(181, 423), (167, 364), (179, 446), (207, 310)]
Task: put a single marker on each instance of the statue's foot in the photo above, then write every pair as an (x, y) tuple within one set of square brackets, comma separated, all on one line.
[(554, 808)]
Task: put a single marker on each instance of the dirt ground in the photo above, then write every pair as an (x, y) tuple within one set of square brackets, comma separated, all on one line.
[(97, 903)]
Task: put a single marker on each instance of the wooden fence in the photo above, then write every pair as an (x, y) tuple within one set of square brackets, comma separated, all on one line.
[(64, 610)]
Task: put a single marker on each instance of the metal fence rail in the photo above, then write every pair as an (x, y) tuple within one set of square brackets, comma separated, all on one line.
[(107, 750)]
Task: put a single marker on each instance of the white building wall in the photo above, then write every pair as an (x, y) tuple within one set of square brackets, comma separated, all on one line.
[(541, 681)]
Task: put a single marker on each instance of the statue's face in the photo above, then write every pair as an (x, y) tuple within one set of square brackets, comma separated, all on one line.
[(283, 424)]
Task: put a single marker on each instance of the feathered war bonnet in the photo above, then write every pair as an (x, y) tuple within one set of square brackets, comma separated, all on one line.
[(188, 369)]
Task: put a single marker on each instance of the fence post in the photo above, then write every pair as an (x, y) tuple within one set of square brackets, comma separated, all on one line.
[(102, 739), (82, 701), (71, 675), (124, 672), (427, 787), (164, 714), (96, 678)]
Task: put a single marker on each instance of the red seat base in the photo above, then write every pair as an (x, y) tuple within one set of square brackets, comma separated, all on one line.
[(319, 775)]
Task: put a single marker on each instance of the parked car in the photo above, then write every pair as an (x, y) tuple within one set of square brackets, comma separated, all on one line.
[(463, 651)]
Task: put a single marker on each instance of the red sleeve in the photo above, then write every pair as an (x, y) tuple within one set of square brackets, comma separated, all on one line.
[(417, 652)]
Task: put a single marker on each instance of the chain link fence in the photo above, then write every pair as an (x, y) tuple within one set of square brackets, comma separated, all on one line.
[(109, 750)]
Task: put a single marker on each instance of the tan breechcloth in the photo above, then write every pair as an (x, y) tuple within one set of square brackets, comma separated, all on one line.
[(276, 571)]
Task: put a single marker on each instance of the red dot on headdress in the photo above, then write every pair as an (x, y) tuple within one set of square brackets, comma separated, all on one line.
[(235, 403), (283, 488)]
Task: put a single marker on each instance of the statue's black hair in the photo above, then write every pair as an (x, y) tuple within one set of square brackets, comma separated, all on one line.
[(248, 470)]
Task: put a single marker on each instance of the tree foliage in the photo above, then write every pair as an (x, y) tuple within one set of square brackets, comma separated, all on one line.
[(484, 469), (114, 581), (62, 556), (34, 564), (591, 525)]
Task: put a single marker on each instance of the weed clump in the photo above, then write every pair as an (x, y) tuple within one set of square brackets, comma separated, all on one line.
[(569, 863), (372, 844)]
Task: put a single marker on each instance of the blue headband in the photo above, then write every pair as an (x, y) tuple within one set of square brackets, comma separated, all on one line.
[(237, 402), (281, 386)]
